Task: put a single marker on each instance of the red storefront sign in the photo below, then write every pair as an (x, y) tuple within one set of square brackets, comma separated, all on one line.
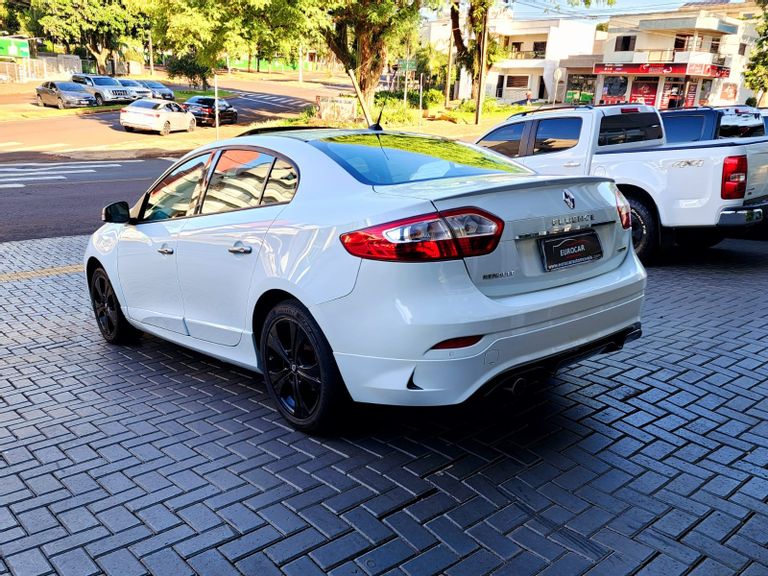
[(690, 96), (665, 69), (644, 91)]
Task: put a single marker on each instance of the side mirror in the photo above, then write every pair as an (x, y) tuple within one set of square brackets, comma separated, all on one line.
[(117, 213)]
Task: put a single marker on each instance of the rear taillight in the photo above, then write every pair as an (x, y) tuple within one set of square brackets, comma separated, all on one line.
[(734, 178), (630, 110), (208, 110), (448, 235), (624, 209), (123, 110)]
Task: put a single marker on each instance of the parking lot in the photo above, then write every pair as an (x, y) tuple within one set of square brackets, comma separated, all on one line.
[(154, 459)]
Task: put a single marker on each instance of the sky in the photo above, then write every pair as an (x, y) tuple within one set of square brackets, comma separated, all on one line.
[(538, 8)]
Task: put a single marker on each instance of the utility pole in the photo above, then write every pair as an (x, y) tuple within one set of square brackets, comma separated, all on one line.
[(405, 73), (448, 87), (151, 56), (483, 58)]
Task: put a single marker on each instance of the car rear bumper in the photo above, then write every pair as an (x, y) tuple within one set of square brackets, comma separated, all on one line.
[(521, 335), (746, 215), (151, 126)]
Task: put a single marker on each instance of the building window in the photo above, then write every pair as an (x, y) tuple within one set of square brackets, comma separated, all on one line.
[(742, 49), (625, 43), (714, 47), (517, 81), (515, 46), (686, 43), (539, 49)]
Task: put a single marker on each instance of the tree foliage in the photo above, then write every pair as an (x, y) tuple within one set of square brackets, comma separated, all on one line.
[(756, 71)]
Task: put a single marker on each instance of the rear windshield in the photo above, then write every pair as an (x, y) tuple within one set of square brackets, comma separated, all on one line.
[(384, 159), (69, 86), (106, 82), (630, 127), (741, 126), (688, 128), (152, 84), (145, 104), (201, 100)]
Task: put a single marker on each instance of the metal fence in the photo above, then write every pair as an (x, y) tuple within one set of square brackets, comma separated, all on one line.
[(43, 68)]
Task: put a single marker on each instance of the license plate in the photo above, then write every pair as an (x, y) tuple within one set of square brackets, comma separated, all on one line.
[(565, 251)]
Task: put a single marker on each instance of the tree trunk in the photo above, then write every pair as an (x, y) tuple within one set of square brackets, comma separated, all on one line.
[(371, 57), (250, 56)]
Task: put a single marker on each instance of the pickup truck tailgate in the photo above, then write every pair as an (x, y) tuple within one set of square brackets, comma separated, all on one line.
[(556, 230), (757, 164)]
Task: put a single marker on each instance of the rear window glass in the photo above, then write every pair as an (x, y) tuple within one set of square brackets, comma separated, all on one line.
[(556, 134), (683, 128), (69, 86), (106, 82), (129, 83), (743, 126), (384, 159), (200, 100), (631, 127), (151, 84), (145, 104)]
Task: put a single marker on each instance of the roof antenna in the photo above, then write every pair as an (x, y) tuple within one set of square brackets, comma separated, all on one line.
[(377, 125)]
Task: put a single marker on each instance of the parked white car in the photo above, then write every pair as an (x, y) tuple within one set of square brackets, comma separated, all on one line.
[(691, 193), (156, 115), (386, 267), (135, 89)]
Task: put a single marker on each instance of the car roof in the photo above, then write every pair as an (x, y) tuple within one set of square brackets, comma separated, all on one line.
[(308, 134)]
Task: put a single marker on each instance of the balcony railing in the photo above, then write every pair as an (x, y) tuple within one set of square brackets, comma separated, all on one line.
[(526, 55), (657, 56)]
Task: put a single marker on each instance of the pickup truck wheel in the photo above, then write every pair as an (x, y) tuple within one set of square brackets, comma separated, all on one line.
[(645, 230), (697, 239)]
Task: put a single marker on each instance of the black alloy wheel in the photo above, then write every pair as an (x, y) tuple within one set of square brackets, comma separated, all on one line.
[(299, 369), (109, 316)]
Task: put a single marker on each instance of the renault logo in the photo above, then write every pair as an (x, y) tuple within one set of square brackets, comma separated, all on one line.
[(569, 200)]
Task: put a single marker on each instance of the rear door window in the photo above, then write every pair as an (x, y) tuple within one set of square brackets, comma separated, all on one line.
[(282, 183), (629, 127), (688, 128), (505, 140), (237, 181), (556, 135)]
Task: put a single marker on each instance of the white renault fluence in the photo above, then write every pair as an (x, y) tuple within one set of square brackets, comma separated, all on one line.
[(384, 267)]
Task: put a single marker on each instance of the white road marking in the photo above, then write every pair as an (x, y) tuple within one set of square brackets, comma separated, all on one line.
[(79, 162), (13, 185), (28, 178), (167, 158), (8, 144), (53, 169), (40, 176), (268, 102)]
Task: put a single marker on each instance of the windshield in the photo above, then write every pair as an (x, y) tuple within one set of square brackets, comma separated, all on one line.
[(384, 159), (106, 82), (69, 86), (129, 83), (145, 104), (151, 84)]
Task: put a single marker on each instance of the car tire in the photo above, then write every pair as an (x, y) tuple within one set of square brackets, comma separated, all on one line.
[(128, 128), (40, 101), (192, 125), (112, 323), (60, 104), (698, 239), (99, 100), (299, 369), (166, 129), (234, 118), (645, 230)]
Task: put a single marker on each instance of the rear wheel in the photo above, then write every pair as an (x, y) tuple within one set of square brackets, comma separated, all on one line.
[(166, 129), (645, 229), (128, 128), (299, 369), (109, 316), (99, 100), (698, 239), (192, 125)]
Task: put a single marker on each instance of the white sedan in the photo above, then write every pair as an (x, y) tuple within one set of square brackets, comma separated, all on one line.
[(383, 267), (156, 115)]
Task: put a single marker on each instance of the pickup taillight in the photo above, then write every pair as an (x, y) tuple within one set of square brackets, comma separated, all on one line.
[(734, 184)]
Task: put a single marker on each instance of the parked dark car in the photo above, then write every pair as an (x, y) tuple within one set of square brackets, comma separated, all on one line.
[(63, 95), (699, 124), (158, 89), (202, 107)]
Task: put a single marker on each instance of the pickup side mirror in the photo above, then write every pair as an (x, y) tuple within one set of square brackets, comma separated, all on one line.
[(117, 213)]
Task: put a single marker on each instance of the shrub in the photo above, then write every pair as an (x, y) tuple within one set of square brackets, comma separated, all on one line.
[(188, 67), (751, 101)]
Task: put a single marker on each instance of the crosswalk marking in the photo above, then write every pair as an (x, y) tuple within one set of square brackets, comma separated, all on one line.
[(12, 185), (29, 178), (22, 174)]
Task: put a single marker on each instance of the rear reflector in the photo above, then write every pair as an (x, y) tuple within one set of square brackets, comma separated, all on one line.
[(463, 342), (734, 184), (449, 235)]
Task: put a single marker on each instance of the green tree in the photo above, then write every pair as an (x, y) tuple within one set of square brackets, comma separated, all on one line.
[(756, 71), (96, 24), (360, 33)]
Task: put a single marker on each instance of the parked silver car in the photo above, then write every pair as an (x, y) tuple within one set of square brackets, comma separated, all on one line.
[(158, 89), (155, 115), (135, 89), (63, 95), (103, 88)]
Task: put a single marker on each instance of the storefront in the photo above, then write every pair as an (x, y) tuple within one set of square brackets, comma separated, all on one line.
[(670, 85), (580, 89)]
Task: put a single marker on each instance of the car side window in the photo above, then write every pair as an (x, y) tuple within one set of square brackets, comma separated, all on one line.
[(237, 181), (556, 135), (282, 183), (505, 140), (176, 108), (178, 193), (168, 108)]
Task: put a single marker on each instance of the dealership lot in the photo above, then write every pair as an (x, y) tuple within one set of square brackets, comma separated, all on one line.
[(154, 459)]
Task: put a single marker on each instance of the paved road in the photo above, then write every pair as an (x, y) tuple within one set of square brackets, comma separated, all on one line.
[(153, 459), (254, 101), (44, 199)]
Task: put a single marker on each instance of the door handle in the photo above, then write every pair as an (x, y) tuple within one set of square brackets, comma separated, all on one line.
[(165, 250), (240, 249), (571, 164)]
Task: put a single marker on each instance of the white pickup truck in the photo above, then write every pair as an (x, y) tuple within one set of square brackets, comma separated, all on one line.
[(687, 193)]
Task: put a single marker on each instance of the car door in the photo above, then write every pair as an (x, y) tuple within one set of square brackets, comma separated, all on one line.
[(219, 249), (179, 117), (147, 254), (558, 147), (45, 93)]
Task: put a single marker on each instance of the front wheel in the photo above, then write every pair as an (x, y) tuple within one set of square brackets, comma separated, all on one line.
[(99, 100), (645, 230), (300, 372), (166, 129), (109, 315)]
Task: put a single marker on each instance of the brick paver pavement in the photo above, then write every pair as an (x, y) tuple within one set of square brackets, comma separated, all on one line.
[(153, 459)]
